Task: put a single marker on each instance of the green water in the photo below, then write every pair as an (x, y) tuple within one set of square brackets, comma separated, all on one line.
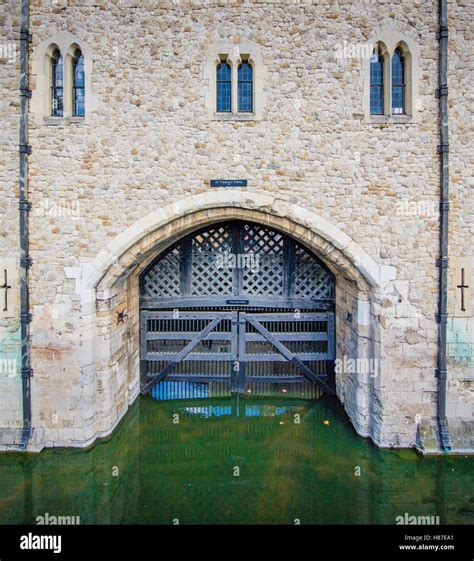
[(154, 470)]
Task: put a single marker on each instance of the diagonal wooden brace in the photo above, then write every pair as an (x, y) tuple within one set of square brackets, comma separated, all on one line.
[(183, 354), (290, 356)]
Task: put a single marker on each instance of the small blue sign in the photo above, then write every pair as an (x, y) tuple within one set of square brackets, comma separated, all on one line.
[(228, 182)]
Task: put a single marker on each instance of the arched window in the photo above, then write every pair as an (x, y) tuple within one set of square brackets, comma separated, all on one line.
[(245, 82), (376, 83), (224, 88), (78, 85), (57, 94), (398, 83)]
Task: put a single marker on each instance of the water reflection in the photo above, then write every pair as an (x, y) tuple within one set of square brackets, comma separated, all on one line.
[(296, 459)]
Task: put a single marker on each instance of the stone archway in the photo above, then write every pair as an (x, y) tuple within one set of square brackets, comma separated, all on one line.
[(109, 289)]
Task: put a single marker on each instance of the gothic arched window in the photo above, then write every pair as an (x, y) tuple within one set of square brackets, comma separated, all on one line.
[(57, 93), (376, 83), (245, 87), (78, 85), (398, 83), (224, 88)]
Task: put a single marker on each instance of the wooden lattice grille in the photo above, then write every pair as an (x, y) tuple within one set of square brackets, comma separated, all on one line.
[(210, 275), (237, 259), (311, 280), (163, 279), (264, 247)]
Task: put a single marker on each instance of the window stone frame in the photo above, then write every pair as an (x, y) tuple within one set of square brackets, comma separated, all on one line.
[(233, 53), (389, 40), (67, 44)]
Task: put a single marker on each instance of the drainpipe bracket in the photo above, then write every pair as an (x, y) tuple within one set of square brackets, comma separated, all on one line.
[(25, 317), (24, 205), (26, 373), (442, 262), (444, 206), (442, 33), (25, 92), (25, 149), (442, 318), (441, 374), (25, 35), (441, 91), (443, 148), (26, 262)]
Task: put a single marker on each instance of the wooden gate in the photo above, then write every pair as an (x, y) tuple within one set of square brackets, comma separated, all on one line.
[(237, 349), (237, 305)]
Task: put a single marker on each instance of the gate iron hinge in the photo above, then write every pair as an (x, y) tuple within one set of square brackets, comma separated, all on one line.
[(442, 262), (444, 205), (441, 374), (24, 205), (25, 317), (442, 148), (442, 91), (25, 35), (25, 149), (25, 92), (26, 262), (442, 33)]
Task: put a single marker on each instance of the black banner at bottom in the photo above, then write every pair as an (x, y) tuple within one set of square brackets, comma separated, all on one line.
[(190, 543)]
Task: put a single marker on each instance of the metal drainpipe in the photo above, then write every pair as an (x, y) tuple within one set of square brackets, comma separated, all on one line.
[(443, 150), (24, 207)]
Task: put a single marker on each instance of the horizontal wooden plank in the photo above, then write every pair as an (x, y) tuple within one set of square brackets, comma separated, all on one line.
[(219, 301), (196, 378), (316, 336), (276, 357), (165, 357), (250, 378), (227, 336), (287, 316), (187, 335), (187, 315)]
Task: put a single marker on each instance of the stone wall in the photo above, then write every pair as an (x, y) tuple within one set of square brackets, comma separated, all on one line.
[(149, 142)]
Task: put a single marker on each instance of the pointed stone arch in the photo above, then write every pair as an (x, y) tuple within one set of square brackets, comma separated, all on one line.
[(108, 288)]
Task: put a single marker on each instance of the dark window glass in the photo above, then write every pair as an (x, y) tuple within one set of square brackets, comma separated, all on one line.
[(245, 82), (376, 83), (57, 98), (78, 85), (224, 88), (398, 83)]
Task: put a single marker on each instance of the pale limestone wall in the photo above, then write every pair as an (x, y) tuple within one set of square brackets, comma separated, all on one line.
[(149, 142)]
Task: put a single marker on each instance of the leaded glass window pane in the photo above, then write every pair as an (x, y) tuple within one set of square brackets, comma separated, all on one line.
[(398, 83), (245, 88), (376, 84), (224, 88), (78, 88), (57, 94)]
